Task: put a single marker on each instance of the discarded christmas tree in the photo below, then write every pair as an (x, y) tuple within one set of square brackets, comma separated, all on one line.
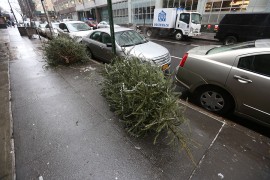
[(143, 98), (64, 50)]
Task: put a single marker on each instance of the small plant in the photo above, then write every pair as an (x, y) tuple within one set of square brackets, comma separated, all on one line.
[(64, 50), (143, 98)]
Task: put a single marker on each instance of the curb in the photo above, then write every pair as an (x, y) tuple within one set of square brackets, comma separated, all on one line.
[(12, 146)]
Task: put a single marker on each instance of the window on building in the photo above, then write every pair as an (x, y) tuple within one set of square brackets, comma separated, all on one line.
[(226, 5), (208, 6)]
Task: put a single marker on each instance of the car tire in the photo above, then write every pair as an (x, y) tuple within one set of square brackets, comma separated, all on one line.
[(214, 100), (230, 40), (89, 53), (178, 36), (149, 32)]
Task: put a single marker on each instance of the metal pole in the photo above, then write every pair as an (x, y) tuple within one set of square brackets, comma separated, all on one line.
[(12, 12), (144, 30), (111, 26), (49, 22)]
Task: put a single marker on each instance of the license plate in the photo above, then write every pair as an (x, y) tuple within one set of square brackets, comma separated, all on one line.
[(164, 67)]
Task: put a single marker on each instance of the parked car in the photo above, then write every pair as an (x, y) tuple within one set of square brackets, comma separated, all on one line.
[(128, 43), (55, 32), (91, 23), (74, 29), (41, 29), (105, 24), (233, 78), (239, 27)]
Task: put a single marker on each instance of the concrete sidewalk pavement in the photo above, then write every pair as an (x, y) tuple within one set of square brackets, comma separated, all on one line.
[(63, 129)]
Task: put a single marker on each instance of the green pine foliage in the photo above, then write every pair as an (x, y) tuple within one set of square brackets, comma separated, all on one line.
[(143, 98), (64, 50)]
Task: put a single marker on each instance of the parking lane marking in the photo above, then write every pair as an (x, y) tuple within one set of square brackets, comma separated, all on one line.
[(175, 42)]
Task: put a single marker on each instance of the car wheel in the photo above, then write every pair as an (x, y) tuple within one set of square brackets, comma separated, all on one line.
[(178, 35), (149, 32), (215, 100), (230, 40), (89, 53)]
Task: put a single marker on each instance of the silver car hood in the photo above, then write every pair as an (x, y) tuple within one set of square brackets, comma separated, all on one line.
[(80, 33), (201, 50), (147, 50)]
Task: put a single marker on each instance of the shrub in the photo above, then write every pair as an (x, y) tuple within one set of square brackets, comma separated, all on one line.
[(144, 99), (64, 50)]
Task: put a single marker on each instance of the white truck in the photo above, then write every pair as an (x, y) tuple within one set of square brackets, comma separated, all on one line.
[(174, 22)]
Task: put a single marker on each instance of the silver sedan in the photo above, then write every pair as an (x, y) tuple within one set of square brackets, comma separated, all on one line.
[(234, 78), (128, 43)]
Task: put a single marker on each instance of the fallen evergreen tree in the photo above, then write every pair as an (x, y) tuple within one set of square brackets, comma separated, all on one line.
[(143, 98), (64, 50)]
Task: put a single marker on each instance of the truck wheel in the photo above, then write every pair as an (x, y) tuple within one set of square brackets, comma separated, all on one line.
[(178, 36), (230, 40)]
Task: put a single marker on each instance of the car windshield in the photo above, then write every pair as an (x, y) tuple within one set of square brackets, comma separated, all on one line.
[(129, 38), (195, 18), (75, 27), (220, 49)]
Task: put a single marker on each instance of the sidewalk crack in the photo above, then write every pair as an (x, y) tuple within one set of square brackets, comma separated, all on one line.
[(206, 152)]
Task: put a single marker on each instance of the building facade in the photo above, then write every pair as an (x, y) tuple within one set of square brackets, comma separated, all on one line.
[(142, 11), (65, 9), (33, 9), (214, 10)]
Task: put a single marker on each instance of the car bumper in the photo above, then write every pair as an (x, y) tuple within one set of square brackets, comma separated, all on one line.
[(194, 34), (181, 84)]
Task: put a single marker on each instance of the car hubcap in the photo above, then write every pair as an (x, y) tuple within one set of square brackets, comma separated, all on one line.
[(149, 33), (178, 36), (212, 101), (230, 41)]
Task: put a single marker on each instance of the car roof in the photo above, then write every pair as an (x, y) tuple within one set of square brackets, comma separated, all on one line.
[(116, 29), (71, 22), (262, 43)]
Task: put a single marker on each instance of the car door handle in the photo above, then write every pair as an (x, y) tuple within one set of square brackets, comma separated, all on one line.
[(242, 80)]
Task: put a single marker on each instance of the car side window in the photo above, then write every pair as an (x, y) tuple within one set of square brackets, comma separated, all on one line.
[(259, 64), (62, 26), (96, 36), (105, 38)]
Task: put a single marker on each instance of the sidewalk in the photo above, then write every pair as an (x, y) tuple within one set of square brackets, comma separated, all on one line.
[(63, 129)]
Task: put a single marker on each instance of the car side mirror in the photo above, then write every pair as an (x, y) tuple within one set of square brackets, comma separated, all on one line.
[(109, 44)]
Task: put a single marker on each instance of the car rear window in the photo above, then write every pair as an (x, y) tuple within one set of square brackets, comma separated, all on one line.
[(220, 49)]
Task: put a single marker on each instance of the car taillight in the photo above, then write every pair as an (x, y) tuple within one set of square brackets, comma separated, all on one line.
[(183, 60)]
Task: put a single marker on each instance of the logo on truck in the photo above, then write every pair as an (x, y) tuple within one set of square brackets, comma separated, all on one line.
[(162, 16)]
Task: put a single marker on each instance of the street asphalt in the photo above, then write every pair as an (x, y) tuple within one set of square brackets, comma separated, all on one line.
[(63, 129)]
